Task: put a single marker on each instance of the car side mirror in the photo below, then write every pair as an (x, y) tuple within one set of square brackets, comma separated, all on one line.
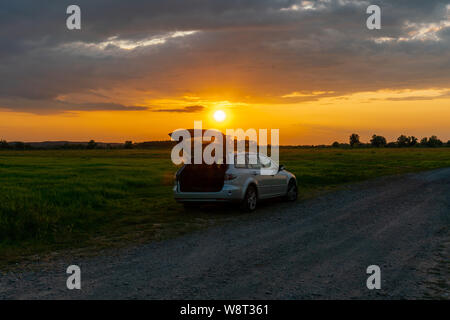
[(281, 168)]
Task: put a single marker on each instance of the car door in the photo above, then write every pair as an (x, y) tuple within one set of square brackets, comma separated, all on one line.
[(279, 181), (252, 170), (268, 172), (264, 182)]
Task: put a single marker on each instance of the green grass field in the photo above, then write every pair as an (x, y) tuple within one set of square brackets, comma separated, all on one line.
[(51, 200)]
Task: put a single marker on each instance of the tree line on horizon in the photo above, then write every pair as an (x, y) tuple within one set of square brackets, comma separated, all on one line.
[(402, 141), (376, 141), (92, 144)]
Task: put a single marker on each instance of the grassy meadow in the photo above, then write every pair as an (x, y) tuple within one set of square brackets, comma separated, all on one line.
[(52, 200)]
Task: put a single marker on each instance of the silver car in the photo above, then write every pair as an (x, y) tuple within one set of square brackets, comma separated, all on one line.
[(243, 183)]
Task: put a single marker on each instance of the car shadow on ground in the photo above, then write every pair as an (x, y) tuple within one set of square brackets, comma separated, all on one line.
[(225, 209)]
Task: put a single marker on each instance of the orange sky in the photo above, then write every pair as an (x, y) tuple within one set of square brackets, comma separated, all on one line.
[(313, 122)]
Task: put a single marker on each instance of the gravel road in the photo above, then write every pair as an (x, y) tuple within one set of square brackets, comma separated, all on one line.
[(313, 249)]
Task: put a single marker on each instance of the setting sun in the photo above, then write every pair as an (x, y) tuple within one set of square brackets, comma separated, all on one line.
[(219, 115)]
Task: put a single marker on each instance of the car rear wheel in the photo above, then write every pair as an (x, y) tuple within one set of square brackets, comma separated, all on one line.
[(250, 200), (292, 191)]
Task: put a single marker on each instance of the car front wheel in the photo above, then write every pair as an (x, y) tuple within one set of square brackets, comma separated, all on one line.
[(250, 200), (292, 191)]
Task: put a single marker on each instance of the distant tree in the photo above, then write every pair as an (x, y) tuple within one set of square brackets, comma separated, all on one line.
[(424, 142), (335, 144), (128, 145), (378, 141), (412, 141), (433, 141), (402, 141), (354, 140), (448, 143), (4, 144), (91, 144)]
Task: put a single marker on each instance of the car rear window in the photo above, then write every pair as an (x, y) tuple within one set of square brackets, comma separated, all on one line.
[(247, 165)]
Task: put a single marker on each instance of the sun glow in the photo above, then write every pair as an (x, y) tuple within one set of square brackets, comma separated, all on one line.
[(219, 116)]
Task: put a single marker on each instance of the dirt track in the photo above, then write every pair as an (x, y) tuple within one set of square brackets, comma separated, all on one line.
[(314, 249)]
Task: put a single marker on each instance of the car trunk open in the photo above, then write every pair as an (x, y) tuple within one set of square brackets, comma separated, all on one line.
[(201, 177)]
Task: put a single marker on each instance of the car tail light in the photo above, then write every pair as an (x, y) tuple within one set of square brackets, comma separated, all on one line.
[(229, 176)]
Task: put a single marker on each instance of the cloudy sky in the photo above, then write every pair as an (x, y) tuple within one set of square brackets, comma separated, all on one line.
[(139, 69)]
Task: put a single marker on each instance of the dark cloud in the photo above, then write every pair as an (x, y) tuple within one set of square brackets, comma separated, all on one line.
[(189, 109), (42, 106), (104, 106), (255, 50)]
